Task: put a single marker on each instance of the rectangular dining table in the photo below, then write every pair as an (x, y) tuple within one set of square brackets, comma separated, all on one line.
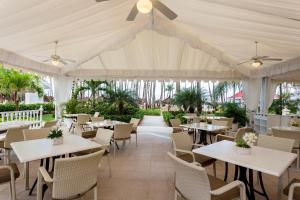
[(32, 150), (261, 159), (204, 128)]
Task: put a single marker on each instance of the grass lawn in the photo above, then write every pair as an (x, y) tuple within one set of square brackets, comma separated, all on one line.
[(48, 117)]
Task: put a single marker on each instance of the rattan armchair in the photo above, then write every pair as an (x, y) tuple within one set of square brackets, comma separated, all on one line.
[(122, 132), (50, 124), (193, 183), (72, 177), (8, 174), (135, 123), (175, 123), (292, 190), (183, 146), (82, 122)]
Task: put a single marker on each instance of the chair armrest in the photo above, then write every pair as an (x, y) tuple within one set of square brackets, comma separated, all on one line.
[(291, 190), (221, 137), (185, 152), (198, 145), (45, 175), (11, 171), (230, 186)]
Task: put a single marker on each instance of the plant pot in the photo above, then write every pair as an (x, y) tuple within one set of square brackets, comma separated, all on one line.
[(243, 151), (57, 141), (235, 126)]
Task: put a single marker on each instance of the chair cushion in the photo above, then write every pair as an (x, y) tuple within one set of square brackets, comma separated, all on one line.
[(216, 183), (203, 160), (296, 191), (5, 173)]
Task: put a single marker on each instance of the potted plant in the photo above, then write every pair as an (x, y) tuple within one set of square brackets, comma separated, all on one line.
[(244, 145), (56, 136), (233, 110)]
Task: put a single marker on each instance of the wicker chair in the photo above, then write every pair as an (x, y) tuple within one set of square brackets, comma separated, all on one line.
[(34, 134), (122, 132), (135, 123), (12, 135), (50, 124), (193, 183), (292, 190), (175, 123), (8, 174), (238, 135), (292, 135), (81, 123), (72, 177), (97, 119), (183, 146)]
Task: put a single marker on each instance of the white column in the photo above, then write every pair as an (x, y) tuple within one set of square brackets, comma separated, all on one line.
[(62, 86)]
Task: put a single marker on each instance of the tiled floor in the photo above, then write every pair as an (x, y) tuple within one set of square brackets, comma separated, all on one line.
[(141, 173)]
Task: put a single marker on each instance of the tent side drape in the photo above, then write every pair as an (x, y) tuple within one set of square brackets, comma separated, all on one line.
[(252, 89)]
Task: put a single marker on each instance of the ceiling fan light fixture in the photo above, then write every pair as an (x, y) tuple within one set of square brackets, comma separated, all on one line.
[(257, 63), (55, 62), (144, 6)]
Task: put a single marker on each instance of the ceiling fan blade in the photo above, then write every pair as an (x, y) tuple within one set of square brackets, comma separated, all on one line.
[(164, 10), (244, 62), (63, 62), (132, 15), (260, 57), (101, 0), (272, 59)]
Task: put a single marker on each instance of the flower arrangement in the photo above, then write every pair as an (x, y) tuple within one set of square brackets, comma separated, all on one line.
[(55, 133), (56, 136), (248, 141)]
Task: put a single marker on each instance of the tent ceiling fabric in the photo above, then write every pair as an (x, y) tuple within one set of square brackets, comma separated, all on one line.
[(207, 39)]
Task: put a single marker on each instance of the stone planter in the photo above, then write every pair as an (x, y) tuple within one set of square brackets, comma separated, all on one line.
[(243, 151), (57, 141)]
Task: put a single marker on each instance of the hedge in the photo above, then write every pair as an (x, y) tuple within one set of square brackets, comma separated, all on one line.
[(150, 112), (48, 108), (168, 115)]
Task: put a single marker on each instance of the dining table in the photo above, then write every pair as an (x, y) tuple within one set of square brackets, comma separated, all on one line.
[(4, 126), (203, 129), (109, 124), (39, 149), (261, 160)]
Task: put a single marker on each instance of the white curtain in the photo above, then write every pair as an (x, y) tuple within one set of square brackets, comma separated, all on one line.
[(271, 91), (62, 92), (252, 89)]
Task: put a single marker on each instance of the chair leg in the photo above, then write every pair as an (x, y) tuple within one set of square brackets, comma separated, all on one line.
[(109, 164), (136, 140), (215, 169), (13, 189), (40, 187), (114, 149), (95, 193)]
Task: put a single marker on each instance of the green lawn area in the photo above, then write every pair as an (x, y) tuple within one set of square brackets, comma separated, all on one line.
[(48, 117)]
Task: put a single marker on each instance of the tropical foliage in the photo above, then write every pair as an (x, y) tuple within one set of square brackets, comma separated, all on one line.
[(14, 83), (233, 110)]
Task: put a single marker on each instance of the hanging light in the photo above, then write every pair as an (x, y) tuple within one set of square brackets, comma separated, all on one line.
[(257, 63), (144, 6), (55, 62)]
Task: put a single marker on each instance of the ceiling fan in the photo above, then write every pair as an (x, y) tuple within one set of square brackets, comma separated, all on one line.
[(146, 6), (258, 60), (56, 59)]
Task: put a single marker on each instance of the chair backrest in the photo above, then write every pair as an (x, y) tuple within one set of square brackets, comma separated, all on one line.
[(104, 137), (191, 181), (96, 114), (50, 124), (83, 118), (287, 134), (241, 132), (34, 134), (14, 135), (271, 142), (135, 122), (75, 175), (97, 119), (219, 122), (122, 131), (175, 122), (229, 120), (182, 141), (197, 119)]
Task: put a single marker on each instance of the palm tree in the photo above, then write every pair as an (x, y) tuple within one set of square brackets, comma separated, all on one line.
[(15, 83), (169, 89), (94, 87), (120, 98)]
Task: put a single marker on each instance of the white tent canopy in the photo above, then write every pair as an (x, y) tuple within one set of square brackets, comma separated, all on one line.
[(206, 41)]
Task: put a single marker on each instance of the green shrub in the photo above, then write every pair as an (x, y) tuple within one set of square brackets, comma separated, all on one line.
[(168, 115), (233, 110), (48, 108), (71, 106), (150, 112)]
